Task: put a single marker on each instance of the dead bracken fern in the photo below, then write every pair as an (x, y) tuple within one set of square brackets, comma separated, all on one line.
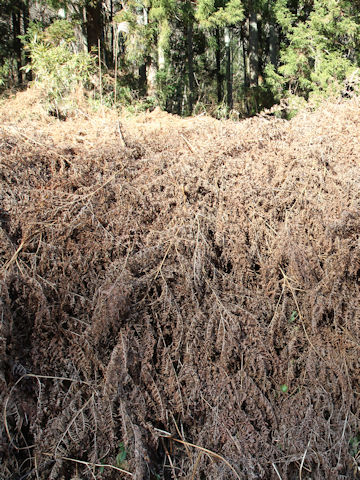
[(182, 301)]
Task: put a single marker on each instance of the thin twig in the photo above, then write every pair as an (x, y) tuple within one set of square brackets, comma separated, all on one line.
[(169, 458), (82, 462), (121, 135), (191, 148), (51, 377), (276, 471), (342, 437), (205, 450), (303, 459), (14, 258)]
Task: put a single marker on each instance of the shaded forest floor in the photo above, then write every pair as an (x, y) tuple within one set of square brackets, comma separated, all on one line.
[(179, 298)]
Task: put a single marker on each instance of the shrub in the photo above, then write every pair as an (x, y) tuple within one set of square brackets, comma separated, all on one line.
[(58, 69)]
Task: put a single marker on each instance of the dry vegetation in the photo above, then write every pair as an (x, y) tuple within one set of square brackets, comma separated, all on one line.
[(187, 276)]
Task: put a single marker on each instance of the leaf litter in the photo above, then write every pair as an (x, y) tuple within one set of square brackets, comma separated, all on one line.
[(187, 289)]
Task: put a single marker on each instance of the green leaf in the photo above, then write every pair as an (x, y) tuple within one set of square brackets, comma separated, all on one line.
[(121, 456), (284, 388)]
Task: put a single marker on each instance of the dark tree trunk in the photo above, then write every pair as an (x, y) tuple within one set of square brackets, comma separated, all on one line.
[(142, 79), (190, 62), (273, 45), (245, 52), (229, 80), (253, 47), (26, 21), (94, 23), (112, 34), (17, 43), (219, 77)]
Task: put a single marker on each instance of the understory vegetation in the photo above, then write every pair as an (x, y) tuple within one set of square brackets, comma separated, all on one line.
[(225, 57)]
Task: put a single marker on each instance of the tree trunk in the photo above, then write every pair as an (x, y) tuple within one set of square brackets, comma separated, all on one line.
[(245, 52), (94, 23), (147, 71), (108, 32), (253, 47), (151, 72), (190, 62), (142, 80), (112, 33), (219, 78), (229, 82), (26, 21), (17, 43), (273, 45), (143, 67), (161, 57)]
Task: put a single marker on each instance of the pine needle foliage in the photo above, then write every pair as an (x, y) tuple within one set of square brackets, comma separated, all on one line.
[(319, 52), (211, 13)]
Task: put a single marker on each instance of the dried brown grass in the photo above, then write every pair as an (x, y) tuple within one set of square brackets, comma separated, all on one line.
[(172, 280)]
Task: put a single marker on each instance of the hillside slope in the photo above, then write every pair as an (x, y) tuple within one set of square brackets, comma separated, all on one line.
[(187, 276)]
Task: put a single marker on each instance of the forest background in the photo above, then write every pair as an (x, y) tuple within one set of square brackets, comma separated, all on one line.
[(222, 57)]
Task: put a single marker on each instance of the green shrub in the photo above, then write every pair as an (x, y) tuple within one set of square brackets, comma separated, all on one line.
[(319, 52), (59, 70)]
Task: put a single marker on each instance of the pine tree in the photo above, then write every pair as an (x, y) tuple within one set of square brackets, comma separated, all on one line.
[(319, 51)]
